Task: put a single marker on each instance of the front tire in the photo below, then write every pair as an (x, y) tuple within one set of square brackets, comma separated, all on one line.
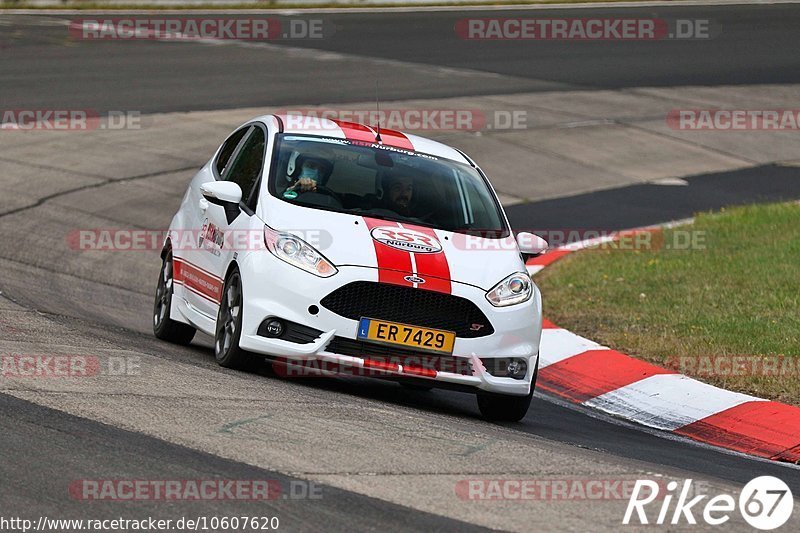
[(229, 325), (164, 327), (505, 407)]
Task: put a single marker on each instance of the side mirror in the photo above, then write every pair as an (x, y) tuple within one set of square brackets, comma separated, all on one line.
[(531, 244), (224, 193)]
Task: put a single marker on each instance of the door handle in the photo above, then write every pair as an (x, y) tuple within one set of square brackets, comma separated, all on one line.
[(203, 203)]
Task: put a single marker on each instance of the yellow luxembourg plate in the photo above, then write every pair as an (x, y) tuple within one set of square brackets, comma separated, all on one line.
[(434, 340)]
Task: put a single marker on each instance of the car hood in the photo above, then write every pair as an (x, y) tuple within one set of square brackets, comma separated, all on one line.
[(404, 253)]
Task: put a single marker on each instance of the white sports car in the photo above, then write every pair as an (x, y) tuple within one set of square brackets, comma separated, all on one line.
[(325, 245)]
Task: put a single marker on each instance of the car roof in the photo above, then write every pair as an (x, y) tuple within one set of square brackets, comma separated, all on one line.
[(314, 125)]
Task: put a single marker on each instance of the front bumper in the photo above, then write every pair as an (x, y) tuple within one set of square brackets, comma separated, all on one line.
[(273, 288)]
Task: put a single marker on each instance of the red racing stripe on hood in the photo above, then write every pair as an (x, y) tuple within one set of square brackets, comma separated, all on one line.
[(434, 267), (396, 266), (393, 264)]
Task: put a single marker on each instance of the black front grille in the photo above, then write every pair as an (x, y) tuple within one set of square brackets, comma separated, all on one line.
[(418, 307), (402, 356)]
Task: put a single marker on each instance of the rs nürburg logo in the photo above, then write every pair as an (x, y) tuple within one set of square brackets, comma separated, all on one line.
[(407, 240)]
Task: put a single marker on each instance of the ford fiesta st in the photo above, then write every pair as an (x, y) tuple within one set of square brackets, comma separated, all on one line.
[(320, 243)]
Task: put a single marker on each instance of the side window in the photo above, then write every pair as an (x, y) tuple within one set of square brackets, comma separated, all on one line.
[(246, 168), (228, 147)]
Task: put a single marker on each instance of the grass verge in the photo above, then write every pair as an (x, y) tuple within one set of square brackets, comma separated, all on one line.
[(726, 310)]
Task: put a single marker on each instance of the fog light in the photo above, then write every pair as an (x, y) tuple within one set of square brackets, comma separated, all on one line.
[(517, 368), (274, 328)]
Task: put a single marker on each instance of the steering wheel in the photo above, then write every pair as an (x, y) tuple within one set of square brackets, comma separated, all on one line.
[(324, 190), (303, 196)]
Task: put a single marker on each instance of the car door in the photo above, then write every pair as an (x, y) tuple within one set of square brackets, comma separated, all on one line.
[(192, 256), (228, 233)]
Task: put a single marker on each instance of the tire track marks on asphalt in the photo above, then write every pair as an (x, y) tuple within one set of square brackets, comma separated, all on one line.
[(106, 181)]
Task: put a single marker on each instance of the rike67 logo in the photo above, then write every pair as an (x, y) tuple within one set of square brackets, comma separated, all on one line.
[(765, 503)]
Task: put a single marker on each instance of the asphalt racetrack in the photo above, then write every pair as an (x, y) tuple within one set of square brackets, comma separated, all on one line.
[(595, 153)]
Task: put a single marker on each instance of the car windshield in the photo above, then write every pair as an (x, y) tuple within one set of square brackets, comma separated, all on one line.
[(380, 181)]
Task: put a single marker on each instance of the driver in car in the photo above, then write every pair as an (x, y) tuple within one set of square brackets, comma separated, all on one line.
[(308, 171), (398, 191)]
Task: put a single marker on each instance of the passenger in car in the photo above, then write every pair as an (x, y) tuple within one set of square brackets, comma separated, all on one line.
[(398, 193)]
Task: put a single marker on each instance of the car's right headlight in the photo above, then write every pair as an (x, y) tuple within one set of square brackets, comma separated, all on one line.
[(298, 252), (515, 289)]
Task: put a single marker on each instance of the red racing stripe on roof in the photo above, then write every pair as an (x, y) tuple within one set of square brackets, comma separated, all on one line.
[(355, 131), (361, 133), (396, 138)]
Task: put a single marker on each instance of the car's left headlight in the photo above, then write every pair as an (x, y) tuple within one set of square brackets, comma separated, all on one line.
[(298, 252), (515, 289)]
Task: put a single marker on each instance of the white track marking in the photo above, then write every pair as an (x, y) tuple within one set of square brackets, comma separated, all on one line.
[(559, 344), (667, 401)]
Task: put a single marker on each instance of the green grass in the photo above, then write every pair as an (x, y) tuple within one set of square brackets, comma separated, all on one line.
[(737, 295)]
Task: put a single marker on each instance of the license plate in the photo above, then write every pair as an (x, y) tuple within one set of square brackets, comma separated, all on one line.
[(434, 340)]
